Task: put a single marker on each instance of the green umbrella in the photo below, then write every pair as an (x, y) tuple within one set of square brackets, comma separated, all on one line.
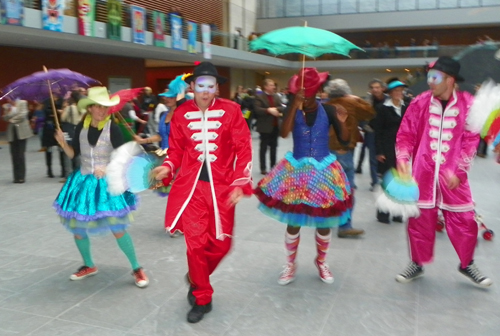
[(312, 42)]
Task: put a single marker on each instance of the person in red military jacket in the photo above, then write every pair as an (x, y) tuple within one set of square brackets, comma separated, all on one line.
[(211, 151)]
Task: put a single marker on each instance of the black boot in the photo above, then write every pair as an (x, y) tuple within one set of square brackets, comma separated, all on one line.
[(383, 217), (61, 160), (48, 162), (397, 219), (196, 313), (191, 297)]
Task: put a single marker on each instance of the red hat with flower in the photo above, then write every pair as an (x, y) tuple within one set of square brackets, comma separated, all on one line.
[(312, 81)]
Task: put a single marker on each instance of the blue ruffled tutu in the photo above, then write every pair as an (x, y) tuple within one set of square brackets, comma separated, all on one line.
[(85, 206)]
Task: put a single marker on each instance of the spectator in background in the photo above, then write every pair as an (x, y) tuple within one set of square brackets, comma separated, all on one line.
[(386, 125), (49, 129), (247, 107), (148, 106), (268, 110), (426, 44), (413, 44), (376, 97), (238, 39), (18, 130), (358, 110), (435, 43), (368, 48), (396, 46), (39, 119)]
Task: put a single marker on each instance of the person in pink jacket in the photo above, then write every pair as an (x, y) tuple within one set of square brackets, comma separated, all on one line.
[(434, 145)]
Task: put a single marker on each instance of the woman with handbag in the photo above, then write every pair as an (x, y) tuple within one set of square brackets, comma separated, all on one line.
[(17, 132), (70, 117)]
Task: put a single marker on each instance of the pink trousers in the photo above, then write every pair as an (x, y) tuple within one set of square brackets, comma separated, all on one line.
[(461, 228)]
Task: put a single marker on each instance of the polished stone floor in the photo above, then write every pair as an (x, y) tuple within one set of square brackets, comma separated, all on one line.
[(37, 256)]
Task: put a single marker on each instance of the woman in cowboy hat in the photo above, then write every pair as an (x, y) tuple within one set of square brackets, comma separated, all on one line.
[(84, 204), (386, 125), (308, 187)]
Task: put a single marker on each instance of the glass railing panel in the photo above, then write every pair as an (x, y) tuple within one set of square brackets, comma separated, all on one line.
[(386, 5), (367, 6), (348, 6), (293, 7), (329, 7), (312, 7)]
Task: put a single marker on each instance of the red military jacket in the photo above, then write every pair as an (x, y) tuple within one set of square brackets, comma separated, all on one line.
[(219, 136)]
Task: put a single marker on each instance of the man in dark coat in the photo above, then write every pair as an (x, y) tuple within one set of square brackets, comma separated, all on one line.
[(268, 110)]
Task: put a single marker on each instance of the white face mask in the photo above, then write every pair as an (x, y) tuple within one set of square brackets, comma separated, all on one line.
[(205, 84)]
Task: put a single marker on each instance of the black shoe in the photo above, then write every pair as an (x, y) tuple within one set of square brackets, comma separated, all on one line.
[(191, 297), (196, 313), (472, 273), (383, 217), (263, 172), (411, 272), (358, 171), (397, 219)]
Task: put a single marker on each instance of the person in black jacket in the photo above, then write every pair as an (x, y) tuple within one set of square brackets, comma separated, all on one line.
[(386, 125)]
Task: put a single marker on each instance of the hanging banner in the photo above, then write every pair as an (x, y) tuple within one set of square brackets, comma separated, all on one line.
[(205, 38), (86, 17), (176, 29), (192, 35), (159, 28), (114, 26), (69, 7), (12, 12), (138, 24), (52, 14)]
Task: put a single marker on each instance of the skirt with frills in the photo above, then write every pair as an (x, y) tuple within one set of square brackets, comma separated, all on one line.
[(306, 192)]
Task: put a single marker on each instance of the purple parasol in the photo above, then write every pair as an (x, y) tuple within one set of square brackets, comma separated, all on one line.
[(36, 85)]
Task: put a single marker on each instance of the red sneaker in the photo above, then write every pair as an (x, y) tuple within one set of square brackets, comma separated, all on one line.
[(141, 280), (83, 272), (288, 274), (324, 272)]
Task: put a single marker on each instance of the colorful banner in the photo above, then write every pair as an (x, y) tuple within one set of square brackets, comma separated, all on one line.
[(205, 38), (12, 12), (52, 15), (176, 31), (69, 7), (159, 28), (86, 17), (138, 24), (192, 34), (114, 25)]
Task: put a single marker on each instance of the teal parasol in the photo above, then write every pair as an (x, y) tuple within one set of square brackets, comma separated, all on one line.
[(312, 42)]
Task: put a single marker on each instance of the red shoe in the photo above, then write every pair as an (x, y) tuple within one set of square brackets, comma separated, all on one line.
[(324, 272), (141, 280), (288, 274), (83, 272)]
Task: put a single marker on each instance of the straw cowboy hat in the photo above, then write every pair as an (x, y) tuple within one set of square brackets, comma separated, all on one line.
[(98, 95)]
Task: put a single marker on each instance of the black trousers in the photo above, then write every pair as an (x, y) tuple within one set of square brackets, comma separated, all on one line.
[(268, 140), (17, 150)]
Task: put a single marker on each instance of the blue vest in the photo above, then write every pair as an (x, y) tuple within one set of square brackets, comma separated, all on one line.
[(311, 141), (164, 130)]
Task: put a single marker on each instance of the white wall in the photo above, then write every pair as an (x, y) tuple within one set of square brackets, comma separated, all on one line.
[(403, 19), (242, 14)]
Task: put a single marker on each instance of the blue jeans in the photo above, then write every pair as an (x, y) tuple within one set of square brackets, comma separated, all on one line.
[(347, 162)]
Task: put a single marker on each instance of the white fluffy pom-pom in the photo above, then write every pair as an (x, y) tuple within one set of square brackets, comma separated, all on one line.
[(385, 204), (115, 171), (486, 100)]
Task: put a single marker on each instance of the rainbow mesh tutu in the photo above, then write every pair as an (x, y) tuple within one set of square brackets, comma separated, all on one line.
[(306, 192), (84, 205)]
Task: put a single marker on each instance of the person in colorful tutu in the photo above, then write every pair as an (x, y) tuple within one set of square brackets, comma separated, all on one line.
[(435, 146), (308, 187), (84, 204)]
